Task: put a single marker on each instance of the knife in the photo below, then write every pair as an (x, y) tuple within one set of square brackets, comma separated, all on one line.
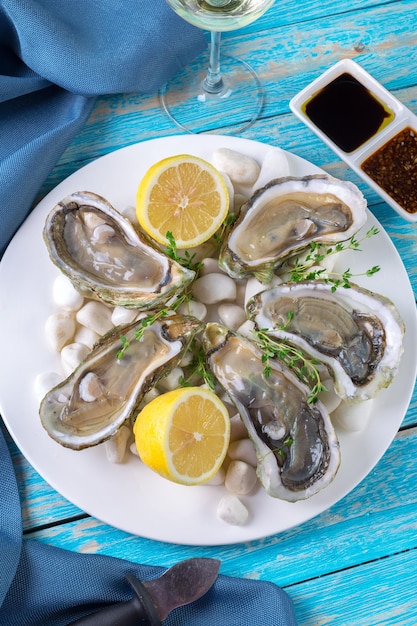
[(155, 599)]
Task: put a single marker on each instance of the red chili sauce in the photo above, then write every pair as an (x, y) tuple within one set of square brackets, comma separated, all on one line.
[(394, 168)]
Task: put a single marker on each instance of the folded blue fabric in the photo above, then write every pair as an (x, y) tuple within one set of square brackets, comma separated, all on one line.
[(55, 57)]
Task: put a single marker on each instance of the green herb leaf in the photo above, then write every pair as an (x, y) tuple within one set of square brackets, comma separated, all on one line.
[(198, 367), (302, 269), (150, 319), (188, 260), (303, 366)]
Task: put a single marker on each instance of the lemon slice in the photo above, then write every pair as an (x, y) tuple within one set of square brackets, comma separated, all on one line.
[(183, 435), (184, 195)]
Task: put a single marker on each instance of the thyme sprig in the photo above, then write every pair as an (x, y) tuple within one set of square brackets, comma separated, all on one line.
[(317, 254), (304, 367), (198, 367), (144, 323), (286, 444), (218, 237), (148, 320), (188, 260)]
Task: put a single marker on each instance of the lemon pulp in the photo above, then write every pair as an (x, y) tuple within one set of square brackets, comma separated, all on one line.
[(183, 195), (183, 435)]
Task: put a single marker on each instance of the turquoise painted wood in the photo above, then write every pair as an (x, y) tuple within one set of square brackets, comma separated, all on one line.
[(378, 593), (356, 563), (285, 66), (372, 526), (41, 505), (316, 548)]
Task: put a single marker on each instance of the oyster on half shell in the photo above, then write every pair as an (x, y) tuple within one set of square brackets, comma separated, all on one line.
[(106, 389), (106, 258), (284, 217), (356, 333), (296, 446)]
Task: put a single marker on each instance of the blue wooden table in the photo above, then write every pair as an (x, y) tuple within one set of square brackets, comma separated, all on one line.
[(355, 563)]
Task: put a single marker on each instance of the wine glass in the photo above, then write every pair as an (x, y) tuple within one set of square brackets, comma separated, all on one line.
[(199, 98)]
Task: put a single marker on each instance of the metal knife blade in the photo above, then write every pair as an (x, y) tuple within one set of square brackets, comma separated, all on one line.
[(181, 584)]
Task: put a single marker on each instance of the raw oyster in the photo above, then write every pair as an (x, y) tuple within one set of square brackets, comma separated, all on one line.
[(106, 258), (106, 388), (296, 446), (284, 217), (358, 334)]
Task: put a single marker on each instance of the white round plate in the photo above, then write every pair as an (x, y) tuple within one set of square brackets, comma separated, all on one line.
[(129, 496)]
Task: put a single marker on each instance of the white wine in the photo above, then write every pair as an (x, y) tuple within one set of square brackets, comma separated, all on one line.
[(220, 15), (230, 84)]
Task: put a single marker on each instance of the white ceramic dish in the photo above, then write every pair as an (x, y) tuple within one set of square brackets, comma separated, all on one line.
[(402, 119), (129, 496)]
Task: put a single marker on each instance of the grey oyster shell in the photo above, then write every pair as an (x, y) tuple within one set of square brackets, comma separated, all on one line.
[(106, 258), (356, 333), (106, 389), (283, 218), (296, 446)]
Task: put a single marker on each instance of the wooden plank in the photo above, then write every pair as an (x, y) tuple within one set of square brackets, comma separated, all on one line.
[(290, 134), (284, 67), (284, 130), (411, 416), (357, 529), (403, 236), (319, 564), (42, 505), (295, 14), (333, 567), (107, 131), (357, 562), (381, 593)]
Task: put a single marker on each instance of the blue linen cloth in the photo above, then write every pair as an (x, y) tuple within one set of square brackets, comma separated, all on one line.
[(55, 57)]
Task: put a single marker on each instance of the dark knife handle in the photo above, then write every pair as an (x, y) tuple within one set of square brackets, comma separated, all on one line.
[(139, 611)]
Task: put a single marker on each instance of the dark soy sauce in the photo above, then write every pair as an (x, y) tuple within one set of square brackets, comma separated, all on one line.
[(347, 112)]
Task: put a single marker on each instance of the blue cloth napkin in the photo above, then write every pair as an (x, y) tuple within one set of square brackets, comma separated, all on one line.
[(55, 57)]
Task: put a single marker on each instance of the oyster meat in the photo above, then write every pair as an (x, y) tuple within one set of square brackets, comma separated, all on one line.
[(106, 258), (284, 217), (356, 333), (297, 449), (106, 389)]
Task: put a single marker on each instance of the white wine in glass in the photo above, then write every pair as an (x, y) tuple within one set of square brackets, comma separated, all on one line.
[(221, 87)]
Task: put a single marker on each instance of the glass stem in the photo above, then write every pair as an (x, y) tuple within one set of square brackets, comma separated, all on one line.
[(213, 82)]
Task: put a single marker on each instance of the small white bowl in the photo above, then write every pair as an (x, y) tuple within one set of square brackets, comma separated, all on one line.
[(400, 119)]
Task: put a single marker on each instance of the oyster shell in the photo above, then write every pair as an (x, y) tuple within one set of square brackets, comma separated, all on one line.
[(296, 446), (284, 217), (106, 258), (356, 333), (104, 391)]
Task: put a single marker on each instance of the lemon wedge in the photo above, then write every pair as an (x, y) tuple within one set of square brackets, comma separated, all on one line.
[(183, 435), (183, 195)]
